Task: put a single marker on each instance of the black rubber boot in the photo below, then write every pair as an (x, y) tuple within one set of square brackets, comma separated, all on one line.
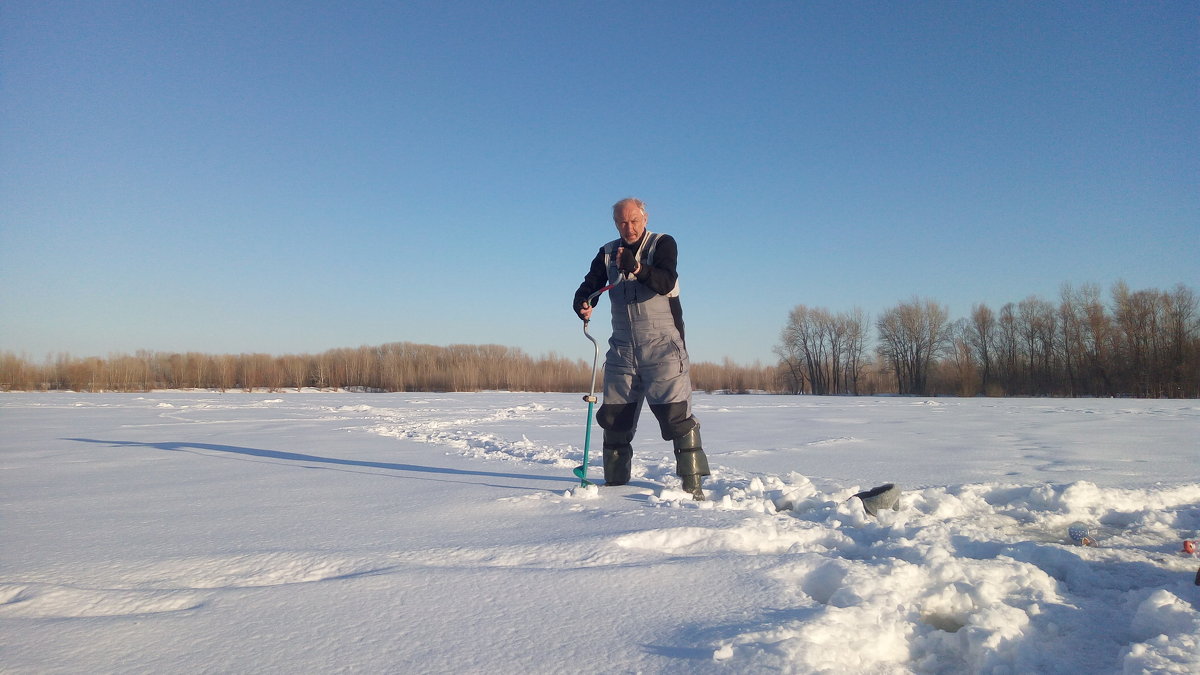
[(691, 464), (618, 457)]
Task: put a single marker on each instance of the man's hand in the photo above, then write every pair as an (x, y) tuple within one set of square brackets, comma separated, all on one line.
[(585, 312), (627, 262)]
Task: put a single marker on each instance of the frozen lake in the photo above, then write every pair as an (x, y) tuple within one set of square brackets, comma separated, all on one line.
[(286, 532)]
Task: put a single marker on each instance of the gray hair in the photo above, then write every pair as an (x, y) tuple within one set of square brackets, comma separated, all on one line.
[(630, 200)]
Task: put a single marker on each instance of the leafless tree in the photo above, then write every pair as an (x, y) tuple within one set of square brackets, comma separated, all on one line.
[(912, 335), (980, 336), (823, 352)]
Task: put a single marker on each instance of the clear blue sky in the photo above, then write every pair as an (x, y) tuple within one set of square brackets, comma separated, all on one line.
[(295, 176)]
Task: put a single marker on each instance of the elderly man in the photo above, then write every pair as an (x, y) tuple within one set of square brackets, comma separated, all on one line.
[(647, 360)]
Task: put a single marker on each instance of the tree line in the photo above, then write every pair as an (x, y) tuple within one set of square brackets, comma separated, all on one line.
[(1144, 343), (1141, 343), (394, 367), (400, 366)]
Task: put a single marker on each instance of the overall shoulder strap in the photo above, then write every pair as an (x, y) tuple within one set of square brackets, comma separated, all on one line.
[(646, 252), (648, 248), (610, 250)]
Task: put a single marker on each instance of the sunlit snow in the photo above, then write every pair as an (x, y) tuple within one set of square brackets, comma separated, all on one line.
[(444, 533)]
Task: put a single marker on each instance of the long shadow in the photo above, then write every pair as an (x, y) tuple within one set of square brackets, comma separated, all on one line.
[(315, 459)]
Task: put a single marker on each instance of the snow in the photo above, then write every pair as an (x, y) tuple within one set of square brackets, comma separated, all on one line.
[(443, 533)]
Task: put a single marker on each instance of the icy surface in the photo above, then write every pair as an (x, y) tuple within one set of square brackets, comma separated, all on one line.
[(321, 532)]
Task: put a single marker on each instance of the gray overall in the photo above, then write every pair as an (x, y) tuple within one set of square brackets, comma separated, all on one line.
[(646, 362)]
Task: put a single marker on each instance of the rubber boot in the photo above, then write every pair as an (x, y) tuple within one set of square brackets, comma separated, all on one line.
[(618, 457), (691, 464)]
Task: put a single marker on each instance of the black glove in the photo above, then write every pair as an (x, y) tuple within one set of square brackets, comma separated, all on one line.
[(627, 261)]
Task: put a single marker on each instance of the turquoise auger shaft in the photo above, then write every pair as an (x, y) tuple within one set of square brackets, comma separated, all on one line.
[(581, 471), (587, 442)]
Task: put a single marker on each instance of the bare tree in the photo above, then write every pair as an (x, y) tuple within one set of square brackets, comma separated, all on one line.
[(980, 336), (792, 351), (962, 362), (1182, 328), (297, 369), (823, 351), (912, 335), (855, 331), (1037, 325), (226, 372)]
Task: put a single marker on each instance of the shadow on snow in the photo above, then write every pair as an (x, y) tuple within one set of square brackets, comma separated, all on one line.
[(204, 448)]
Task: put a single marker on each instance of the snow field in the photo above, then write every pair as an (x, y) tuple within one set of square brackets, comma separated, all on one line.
[(375, 532)]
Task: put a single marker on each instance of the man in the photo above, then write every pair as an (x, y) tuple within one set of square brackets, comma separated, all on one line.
[(647, 360)]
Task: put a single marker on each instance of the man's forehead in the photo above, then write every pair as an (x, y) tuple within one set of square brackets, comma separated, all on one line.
[(629, 212)]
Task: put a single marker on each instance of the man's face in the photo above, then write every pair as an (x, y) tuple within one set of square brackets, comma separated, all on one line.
[(631, 223)]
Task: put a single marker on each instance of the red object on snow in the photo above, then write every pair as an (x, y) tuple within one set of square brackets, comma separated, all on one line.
[(1189, 546)]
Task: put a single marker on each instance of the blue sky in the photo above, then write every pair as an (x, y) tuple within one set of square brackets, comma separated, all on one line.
[(293, 176)]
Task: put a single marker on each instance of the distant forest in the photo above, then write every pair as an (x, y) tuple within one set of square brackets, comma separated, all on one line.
[(1143, 344)]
